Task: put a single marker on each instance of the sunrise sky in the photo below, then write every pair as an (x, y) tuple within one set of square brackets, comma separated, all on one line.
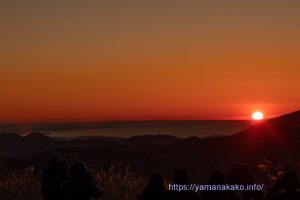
[(138, 60)]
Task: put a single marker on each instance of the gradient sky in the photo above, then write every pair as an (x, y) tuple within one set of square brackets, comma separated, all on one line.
[(124, 60)]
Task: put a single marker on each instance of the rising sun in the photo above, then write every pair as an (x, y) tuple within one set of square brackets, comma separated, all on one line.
[(257, 115)]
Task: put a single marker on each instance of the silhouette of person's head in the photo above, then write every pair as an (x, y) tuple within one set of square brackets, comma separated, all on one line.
[(290, 182), (156, 180), (181, 176), (53, 176), (217, 177), (55, 160), (81, 185), (240, 174), (154, 188), (79, 171), (277, 185), (56, 166)]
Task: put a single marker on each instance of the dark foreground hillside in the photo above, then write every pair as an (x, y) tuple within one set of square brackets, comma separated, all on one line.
[(274, 139), (273, 143)]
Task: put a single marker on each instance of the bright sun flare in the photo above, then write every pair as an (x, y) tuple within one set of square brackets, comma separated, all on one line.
[(257, 115)]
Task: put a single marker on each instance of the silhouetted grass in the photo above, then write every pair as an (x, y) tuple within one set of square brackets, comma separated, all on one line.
[(116, 183)]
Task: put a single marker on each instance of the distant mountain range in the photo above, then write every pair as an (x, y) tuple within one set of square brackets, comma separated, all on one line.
[(183, 128), (277, 138)]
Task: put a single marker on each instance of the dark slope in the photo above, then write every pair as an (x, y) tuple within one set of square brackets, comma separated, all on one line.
[(277, 138)]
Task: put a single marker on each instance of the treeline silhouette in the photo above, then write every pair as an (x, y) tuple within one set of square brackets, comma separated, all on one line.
[(76, 183)]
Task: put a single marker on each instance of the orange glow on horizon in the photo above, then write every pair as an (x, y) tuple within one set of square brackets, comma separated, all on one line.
[(147, 60)]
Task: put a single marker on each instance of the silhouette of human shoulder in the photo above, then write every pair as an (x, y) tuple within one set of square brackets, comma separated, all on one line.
[(80, 186), (53, 176), (217, 178), (241, 175), (180, 177), (290, 187), (182, 195), (154, 189)]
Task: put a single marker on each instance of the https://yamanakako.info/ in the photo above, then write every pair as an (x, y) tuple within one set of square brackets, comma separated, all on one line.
[(207, 187)]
